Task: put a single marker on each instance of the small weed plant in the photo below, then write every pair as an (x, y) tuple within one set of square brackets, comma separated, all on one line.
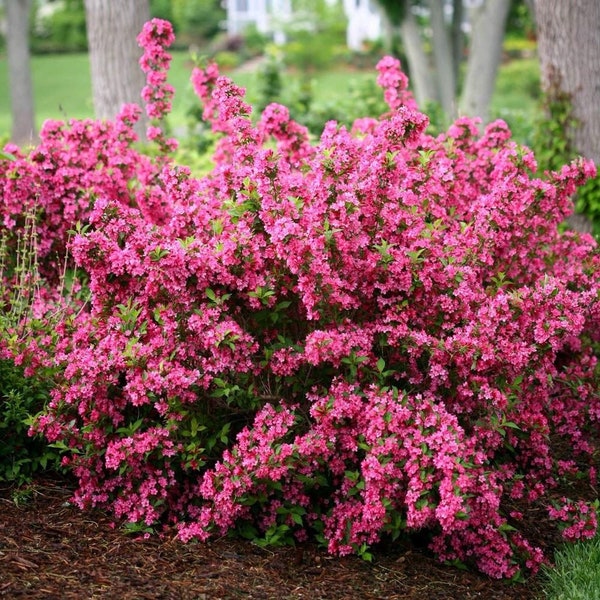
[(351, 340)]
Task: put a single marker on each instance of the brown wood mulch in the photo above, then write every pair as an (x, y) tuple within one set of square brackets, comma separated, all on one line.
[(49, 549)]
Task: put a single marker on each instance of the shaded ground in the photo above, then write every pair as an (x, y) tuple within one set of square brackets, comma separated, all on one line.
[(49, 549)]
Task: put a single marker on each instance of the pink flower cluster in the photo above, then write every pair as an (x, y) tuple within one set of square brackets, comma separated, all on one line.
[(579, 520), (79, 162), (371, 335), (155, 37)]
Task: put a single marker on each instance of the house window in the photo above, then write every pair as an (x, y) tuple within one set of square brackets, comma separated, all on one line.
[(241, 5)]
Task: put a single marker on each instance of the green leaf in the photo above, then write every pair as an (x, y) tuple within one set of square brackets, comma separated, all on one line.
[(511, 425), (7, 156), (158, 253)]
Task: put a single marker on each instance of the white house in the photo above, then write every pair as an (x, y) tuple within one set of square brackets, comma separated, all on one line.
[(270, 16), (267, 15), (364, 22)]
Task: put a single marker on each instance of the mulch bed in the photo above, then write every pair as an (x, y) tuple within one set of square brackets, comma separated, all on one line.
[(50, 549)]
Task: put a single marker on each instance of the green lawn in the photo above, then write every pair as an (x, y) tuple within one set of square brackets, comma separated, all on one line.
[(63, 91), (576, 572), (62, 87)]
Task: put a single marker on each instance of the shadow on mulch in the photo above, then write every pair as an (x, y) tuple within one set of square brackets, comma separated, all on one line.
[(49, 549)]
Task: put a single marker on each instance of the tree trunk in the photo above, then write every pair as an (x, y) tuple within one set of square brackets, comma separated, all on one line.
[(488, 24), (19, 69), (458, 38), (418, 64), (569, 51), (388, 34), (531, 7), (117, 78), (443, 56)]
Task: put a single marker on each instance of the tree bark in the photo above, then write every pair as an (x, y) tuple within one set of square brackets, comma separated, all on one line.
[(488, 25), (443, 57), (569, 51), (458, 38), (418, 64), (19, 69), (112, 29)]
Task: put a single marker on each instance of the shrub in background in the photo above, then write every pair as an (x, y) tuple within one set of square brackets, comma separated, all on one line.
[(58, 28), (197, 21), (374, 335), (270, 84), (359, 98), (314, 36), (255, 42)]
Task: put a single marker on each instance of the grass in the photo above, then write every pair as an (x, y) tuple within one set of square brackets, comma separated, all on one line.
[(576, 572), (517, 96), (61, 84), (62, 89)]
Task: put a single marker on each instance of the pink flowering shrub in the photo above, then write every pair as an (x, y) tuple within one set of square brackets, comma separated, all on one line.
[(373, 334), (82, 160)]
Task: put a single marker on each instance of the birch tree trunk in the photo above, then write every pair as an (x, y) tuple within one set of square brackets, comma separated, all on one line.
[(19, 71), (488, 24), (569, 51), (112, 29)]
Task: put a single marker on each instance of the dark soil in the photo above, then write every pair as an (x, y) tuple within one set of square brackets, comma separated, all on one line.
[(49, 549)]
